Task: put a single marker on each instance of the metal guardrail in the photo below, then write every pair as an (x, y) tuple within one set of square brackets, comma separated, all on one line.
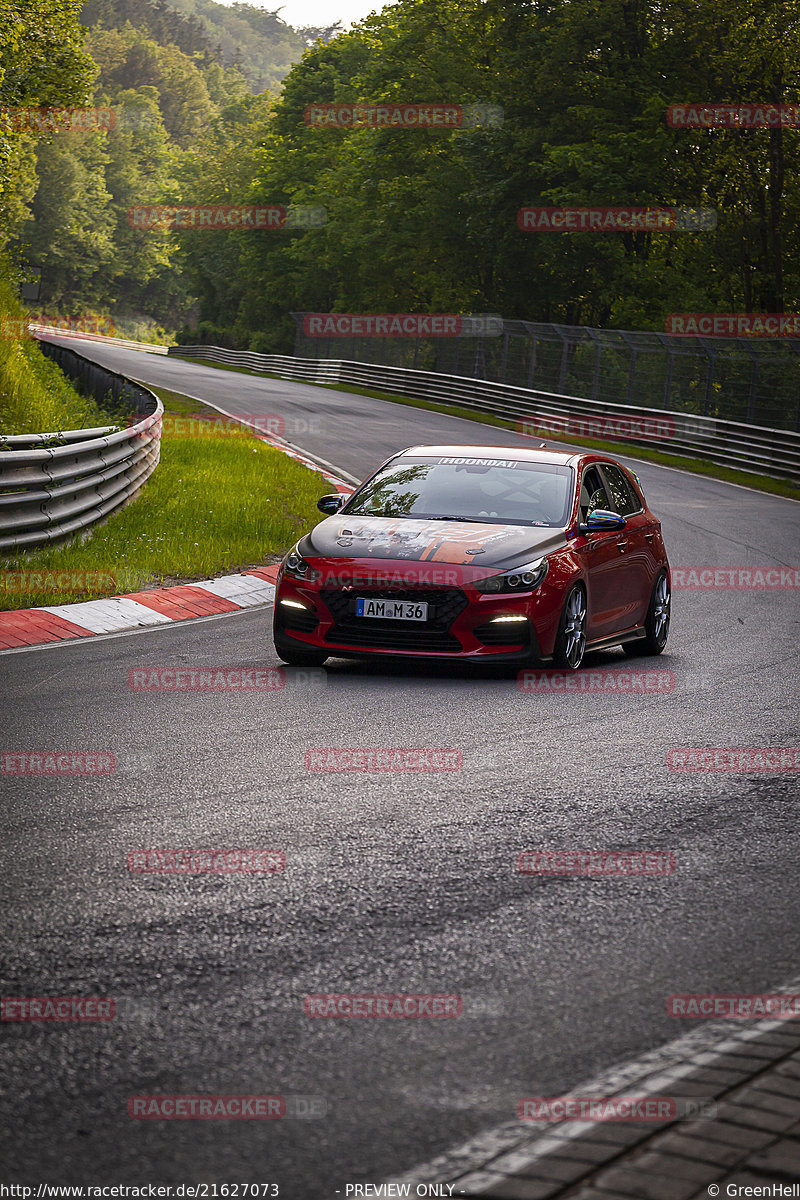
[(544, 415), (54, 484), (124, 343)]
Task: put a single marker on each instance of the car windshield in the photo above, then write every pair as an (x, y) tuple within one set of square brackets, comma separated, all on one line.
[(497, 491)]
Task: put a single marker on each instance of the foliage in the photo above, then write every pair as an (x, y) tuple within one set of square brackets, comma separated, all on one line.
[(418, 220), (160, 21), (42, 62), (253, 39), (35, 396), (426, 220)]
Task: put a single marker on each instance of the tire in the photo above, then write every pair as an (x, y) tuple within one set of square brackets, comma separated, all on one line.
[(298, 654), (570, 644), (657, 623)]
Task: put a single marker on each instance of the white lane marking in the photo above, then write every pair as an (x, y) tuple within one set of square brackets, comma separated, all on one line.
[(273, 440), (691, 1051), (105, 616)]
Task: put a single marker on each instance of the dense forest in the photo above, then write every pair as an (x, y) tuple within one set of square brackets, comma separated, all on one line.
[(420, 219), (255, 40)]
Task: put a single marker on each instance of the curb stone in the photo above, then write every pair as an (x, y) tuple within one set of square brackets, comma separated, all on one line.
[(21, 627), (750, 1073)]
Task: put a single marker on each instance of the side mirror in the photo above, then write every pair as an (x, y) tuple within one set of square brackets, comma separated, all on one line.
[(602, 521), (331, 504)]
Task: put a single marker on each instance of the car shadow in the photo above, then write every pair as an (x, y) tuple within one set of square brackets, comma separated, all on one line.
[(434, 669)]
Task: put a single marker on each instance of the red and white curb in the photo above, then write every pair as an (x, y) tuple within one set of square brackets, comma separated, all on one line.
[(160, 606)]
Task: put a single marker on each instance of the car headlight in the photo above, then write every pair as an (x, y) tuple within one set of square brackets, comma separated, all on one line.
[(295, 565), (521, 579)]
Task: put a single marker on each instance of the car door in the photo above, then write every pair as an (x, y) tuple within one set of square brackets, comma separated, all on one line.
[(599, 554), (633, 572)]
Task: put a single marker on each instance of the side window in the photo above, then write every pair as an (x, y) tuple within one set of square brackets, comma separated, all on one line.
[(593, 493), (623, 498)]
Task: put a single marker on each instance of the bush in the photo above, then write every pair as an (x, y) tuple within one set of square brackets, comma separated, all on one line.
[(35, 397)]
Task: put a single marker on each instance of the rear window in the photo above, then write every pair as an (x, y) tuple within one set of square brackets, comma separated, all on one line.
[(497, 491)]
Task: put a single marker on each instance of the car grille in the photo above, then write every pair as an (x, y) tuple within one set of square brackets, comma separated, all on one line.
[(444, 605)]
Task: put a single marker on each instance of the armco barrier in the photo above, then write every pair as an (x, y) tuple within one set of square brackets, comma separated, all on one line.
[(43, 331), (772, 452), (54, 484)]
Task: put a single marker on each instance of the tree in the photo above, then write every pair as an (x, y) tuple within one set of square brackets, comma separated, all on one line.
[(42, 62)]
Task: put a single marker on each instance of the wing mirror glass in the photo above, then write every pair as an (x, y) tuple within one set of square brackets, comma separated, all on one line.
[(602, 520), (331, 504)]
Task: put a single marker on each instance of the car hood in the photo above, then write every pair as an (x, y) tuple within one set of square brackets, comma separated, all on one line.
[(404, 539)]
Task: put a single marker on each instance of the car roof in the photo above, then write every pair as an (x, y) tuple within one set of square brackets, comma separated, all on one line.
[(518, 453)]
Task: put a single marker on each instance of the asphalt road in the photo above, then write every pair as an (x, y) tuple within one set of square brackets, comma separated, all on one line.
[(393, 883)]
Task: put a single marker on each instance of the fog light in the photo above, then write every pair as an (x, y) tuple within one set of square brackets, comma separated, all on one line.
[(516, 617), (293, 604)]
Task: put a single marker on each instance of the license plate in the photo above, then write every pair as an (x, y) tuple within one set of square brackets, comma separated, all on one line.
[(392, 610)]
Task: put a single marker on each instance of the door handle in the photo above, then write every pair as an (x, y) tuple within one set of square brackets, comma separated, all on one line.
[(622, 544)]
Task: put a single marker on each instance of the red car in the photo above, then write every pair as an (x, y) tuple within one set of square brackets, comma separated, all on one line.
[(483, 553)]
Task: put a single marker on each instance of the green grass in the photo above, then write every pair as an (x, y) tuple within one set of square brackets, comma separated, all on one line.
[(214, 505), (35, 397), (696, 466)]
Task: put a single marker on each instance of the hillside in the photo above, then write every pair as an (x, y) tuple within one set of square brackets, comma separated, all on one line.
[(256, 41)]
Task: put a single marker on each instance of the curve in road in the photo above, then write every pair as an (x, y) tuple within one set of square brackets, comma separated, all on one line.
[(394, 882)]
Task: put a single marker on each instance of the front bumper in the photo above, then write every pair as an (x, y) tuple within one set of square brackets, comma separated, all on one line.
[(462, 622)]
